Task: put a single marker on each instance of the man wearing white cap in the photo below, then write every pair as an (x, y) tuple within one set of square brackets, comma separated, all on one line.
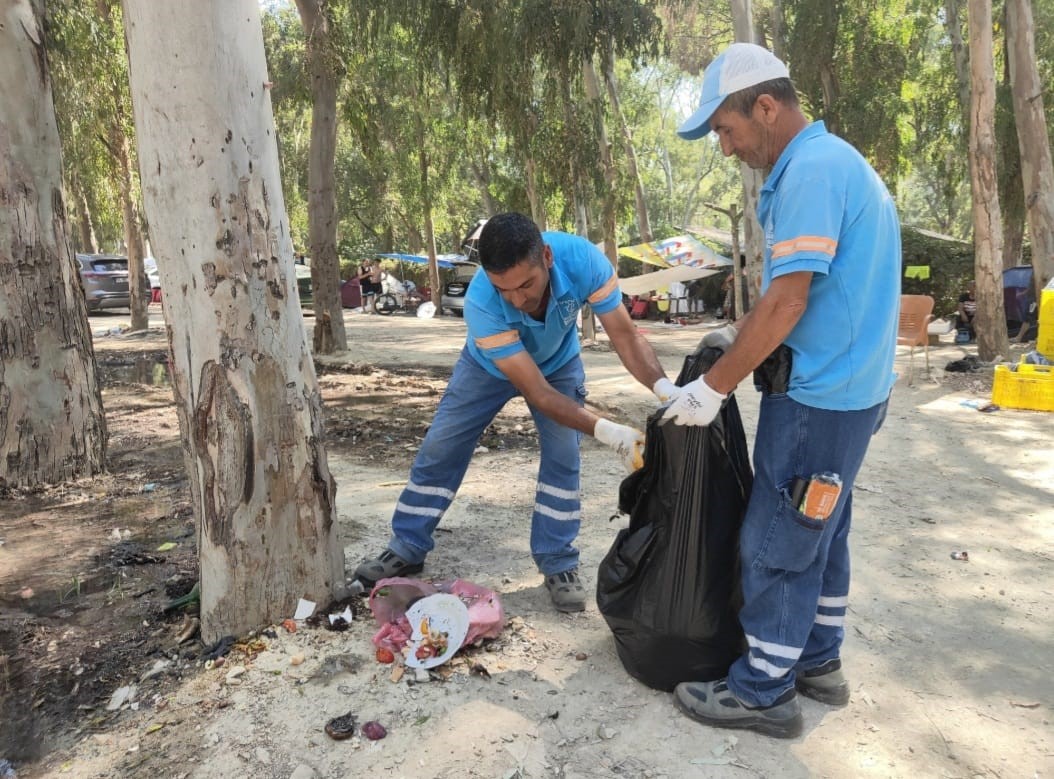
[(830, 295)]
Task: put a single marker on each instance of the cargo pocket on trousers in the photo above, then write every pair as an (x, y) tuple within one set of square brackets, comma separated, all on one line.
[(792, 541)]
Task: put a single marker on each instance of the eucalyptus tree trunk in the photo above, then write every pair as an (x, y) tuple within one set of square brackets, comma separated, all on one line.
[(534, 193), (779, 29), (133, 236), (430, 230), (51, 418), (748, 287), (596, 107), (1037, 172), (990, 321), (1008, 164), (246, 393), (960, 55), (643, 221), (85, 232), (324, 66), (424, 168)]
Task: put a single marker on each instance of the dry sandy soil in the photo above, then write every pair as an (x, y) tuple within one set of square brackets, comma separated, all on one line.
[(951, 663)]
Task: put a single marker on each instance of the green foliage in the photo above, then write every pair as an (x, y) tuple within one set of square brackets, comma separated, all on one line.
[(89, 71), (951, 265)]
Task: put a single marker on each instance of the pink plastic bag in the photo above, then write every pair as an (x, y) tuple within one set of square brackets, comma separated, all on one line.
[(390, 598)]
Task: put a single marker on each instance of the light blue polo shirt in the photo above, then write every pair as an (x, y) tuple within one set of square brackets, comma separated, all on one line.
[(824, 209), (580, 273)]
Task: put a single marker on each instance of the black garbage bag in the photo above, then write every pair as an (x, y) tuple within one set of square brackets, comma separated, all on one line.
[(669, 587)]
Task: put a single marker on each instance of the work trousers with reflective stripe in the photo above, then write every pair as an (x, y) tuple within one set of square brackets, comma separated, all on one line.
[(471, 401), (795, 569)]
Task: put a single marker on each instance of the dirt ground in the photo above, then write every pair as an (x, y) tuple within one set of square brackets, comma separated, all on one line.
[(951, 663)]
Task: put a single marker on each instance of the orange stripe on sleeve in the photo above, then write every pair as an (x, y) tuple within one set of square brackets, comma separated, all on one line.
[(500, 339), (804, 243), (604, 291)]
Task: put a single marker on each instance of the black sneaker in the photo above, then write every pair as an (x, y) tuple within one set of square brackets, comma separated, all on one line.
[(385, 566), (712, 703), (824, 683)]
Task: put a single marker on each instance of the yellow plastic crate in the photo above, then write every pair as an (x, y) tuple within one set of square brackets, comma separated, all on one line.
[(1029, 387), (1045, 339)]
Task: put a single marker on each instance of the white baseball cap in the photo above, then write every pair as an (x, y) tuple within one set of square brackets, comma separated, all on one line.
[(740, 66)]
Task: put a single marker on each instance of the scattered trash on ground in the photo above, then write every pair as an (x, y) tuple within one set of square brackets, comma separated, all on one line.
[(340, 728), (374, 730), (428, 622), (964, 556), (968, 364), (304, 609)]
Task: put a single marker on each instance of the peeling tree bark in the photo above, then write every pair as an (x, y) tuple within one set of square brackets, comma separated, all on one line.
[(990, 321), (749, 286), (51, 417), (1037, 171), (330, 334), (245, 386)]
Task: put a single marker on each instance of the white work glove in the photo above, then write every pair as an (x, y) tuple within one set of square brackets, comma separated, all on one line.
[(665, 390), (721, 338), (627, 442), (697, 404)]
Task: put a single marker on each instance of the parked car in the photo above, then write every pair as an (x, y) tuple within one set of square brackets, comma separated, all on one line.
[(453, 298), (105, 281)]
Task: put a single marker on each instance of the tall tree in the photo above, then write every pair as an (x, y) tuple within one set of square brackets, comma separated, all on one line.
[(92, 97), (1036, 168), (990, 320), (326, 72), (51, 417), (246, 391), (632, 168), (748, 274)]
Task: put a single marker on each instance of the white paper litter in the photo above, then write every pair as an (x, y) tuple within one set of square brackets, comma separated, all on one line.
[(346, 615), (304, 609)]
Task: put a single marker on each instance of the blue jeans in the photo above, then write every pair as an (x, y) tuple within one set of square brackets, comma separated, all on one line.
[(471, 401), (795, 569)]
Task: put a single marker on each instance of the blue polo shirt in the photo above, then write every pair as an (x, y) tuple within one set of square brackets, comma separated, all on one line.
[(824, 209), (580, 274)]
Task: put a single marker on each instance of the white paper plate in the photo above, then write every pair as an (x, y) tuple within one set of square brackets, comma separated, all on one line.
[(441, 613)]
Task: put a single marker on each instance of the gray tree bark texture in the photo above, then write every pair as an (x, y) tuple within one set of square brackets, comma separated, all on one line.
[(990, 321), (1037, 172), (330, 335), (749, 288), (51, 417), (244, 382)]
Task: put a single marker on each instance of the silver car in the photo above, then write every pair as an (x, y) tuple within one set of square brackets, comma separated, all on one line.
[(454, 291), (105, 281)]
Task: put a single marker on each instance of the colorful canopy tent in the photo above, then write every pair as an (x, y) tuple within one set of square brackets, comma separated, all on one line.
[(682, 258), (442, 260), (678, 250)]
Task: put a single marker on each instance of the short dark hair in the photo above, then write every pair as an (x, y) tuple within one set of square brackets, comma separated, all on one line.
[(742, 102), (507, 240)]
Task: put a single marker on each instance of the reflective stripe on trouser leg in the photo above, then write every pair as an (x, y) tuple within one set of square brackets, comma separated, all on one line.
[(472, 399), (557, 503), (828, 628), (784, 555)]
